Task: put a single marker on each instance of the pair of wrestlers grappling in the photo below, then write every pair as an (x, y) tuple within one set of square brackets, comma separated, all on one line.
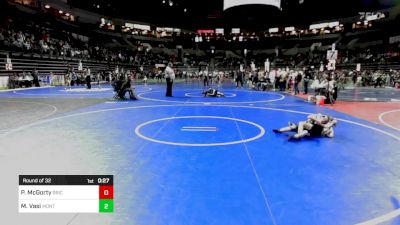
[(211, 92), (316, 125)]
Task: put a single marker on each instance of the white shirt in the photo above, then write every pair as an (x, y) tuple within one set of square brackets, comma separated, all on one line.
[(169, 73), (272, 75)]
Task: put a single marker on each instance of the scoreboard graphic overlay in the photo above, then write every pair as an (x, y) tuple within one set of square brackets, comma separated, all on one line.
[(66, 194)]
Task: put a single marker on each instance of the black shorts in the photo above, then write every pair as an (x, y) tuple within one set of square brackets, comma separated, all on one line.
[(316, 131)]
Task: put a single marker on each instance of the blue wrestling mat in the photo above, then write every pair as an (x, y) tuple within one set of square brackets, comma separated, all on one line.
[(195, 160)]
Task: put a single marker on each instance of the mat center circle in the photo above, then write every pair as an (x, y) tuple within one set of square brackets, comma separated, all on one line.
[(200, 131)]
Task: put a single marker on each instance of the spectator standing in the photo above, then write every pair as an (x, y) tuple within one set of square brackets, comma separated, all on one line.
[(297, 81), (239, 79), (88, 79), (206, 81), (98, 78), (67, 80), (35, 76), (354, 78), (307, 78)]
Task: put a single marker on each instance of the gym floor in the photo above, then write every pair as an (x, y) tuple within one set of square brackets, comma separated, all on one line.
[(195, 160)]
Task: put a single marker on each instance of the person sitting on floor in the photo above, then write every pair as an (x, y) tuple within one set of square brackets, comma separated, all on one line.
[(317, 125), (211, 92), (118, 84), (127, 87)]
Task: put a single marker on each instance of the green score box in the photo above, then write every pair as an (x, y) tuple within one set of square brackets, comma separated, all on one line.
[(106, 205)]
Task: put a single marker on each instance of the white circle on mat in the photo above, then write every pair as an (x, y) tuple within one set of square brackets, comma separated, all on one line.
[(259, 135)]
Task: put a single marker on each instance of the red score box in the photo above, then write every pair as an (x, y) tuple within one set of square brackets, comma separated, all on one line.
[(106, 192)]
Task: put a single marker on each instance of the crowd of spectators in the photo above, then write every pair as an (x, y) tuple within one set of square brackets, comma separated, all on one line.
[(18, 35), (35, 39), (31, 38), (284, 79)]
